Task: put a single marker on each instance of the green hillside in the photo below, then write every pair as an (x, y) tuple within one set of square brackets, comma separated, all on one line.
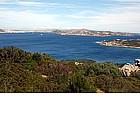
[(22, 71)]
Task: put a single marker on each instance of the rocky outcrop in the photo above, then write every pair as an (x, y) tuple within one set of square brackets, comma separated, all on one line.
[(137, 62), (128, 68), (77, 63), (132, 43)]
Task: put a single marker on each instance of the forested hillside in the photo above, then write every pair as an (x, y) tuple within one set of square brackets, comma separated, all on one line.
[(22, 71)]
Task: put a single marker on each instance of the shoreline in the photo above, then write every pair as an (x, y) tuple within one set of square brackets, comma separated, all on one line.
[(115, 43), (61, 34), (74, 32), (120, 46), (87, 35)]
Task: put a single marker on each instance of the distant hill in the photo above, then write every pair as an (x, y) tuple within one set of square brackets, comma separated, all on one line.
[(85, 32), (81, 32), (2, 30)]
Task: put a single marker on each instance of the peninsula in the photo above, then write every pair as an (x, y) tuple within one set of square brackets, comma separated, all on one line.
[(80, 32), (131, 43)]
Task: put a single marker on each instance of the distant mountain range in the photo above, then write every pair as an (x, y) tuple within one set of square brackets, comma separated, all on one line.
[(81, 32)]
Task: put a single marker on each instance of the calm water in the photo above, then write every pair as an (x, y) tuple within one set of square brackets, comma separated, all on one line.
[(71, 47)]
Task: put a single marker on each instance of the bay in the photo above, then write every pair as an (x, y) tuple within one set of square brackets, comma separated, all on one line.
[(65, 47)]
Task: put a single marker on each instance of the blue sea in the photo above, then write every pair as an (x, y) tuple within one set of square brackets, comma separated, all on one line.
[(64, 47)]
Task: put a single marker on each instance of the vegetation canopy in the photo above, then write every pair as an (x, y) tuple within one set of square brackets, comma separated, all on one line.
[(22, 71)]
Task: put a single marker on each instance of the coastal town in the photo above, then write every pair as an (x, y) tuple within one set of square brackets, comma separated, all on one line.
[(131, 43)]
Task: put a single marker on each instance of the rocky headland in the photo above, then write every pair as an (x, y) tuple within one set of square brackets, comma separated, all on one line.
[(131, 43)]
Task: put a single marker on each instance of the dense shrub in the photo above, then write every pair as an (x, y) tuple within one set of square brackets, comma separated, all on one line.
[(36, 56), (116, 84), (106, 68), (136, 74), (22, 71), (11, 53), (15, 78), (78, 83)]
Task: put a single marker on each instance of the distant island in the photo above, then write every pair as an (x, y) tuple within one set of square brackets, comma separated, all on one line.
[(131, 43), (80, 32)]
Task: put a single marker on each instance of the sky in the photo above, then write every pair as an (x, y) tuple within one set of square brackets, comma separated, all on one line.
[(103, 15)]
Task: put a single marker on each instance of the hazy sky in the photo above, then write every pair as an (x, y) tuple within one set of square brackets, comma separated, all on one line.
[(114, 15)]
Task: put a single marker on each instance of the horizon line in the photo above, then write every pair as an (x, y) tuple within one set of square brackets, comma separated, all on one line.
[(67, 29)]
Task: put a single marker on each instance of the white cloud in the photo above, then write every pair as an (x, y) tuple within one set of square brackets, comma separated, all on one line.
[(26, 19), (29, 3), (127, 1), (44, 4), (84, 14), (116, 19), (6, 2)]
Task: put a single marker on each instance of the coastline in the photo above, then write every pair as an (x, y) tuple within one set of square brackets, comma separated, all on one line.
[(76, 47), (76, 32), (81, 35), (115, 43), (119, 46)]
